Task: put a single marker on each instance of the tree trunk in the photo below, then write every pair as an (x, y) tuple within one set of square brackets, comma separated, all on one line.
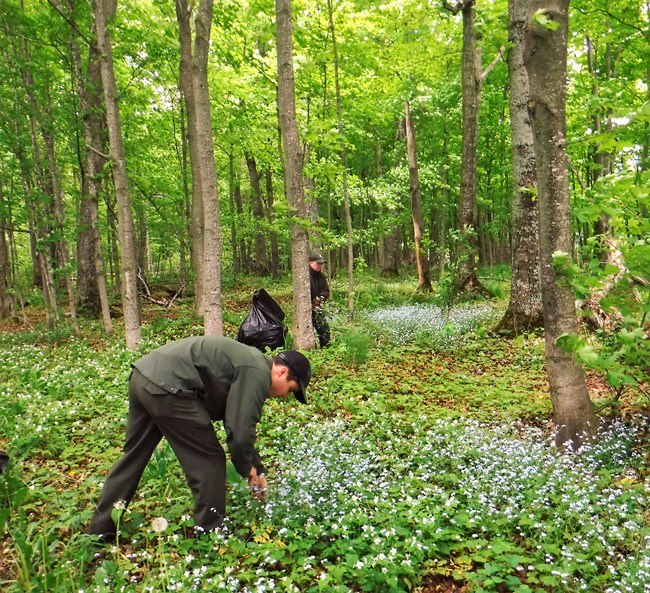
[(234, 212), (39, 203), (344, 167), (602, 158), (205, 227), (90, 163), (389, 246), (424, 271), (104, 11), (183, 16), (213, 322), (112, 238), (240, 241), (303, 333), (524, 312), (467, 279), (275, 250), (6, 299), (472, 84), (261, 261), (446, 197), (62, 252), (545, 57), (92, 293)]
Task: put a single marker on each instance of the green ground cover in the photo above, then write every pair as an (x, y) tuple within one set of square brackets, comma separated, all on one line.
[(423, 462)]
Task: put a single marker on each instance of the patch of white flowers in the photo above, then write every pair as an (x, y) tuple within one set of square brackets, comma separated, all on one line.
[(395, 491), (442, 327)]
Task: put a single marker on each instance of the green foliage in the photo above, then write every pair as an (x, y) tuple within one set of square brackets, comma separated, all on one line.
[(354, 346), (540, 18), (619, 349), (621, 356)]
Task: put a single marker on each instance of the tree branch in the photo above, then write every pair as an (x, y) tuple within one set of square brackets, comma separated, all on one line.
[(162, 302), (101, 154), (13, 230), (577, 175), (620, 21), (498, 57), (72, 24)]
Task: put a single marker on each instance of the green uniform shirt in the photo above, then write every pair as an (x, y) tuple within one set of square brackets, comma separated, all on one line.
[(231, 378)]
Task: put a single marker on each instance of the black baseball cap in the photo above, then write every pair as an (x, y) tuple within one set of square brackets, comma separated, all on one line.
[(318, 258), (300, 367)]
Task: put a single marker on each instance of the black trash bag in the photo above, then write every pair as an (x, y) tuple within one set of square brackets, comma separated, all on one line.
[(264, 327)]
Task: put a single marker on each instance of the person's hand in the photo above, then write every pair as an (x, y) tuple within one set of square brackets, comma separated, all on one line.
[(257, 484)]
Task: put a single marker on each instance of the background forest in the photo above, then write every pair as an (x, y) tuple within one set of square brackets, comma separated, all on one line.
[(476, 174), (57, 188)]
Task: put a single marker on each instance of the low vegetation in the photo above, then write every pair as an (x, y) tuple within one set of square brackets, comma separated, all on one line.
[(424, 462)]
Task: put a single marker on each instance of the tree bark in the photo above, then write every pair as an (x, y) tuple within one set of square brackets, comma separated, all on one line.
[(524, 312), (472, 85), (183, 16), (465, 252), (213, 322), (205, 228), (90, 167), (244, 263), (303, 333), (421, 259), (545, 57), (62, 253), (92, 293), (104, 11)]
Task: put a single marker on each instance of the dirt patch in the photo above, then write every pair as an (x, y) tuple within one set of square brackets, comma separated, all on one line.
[(442, 584), (7, 565), (597, 385)]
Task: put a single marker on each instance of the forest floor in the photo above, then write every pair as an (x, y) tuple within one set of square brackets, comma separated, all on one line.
[(421, 464)]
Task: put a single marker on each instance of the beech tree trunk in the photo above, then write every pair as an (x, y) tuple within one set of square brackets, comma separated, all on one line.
[(92, 293), (213, 321), (472, 86), (206, 225), (303, 334), (466, 251), (104, 11), (524, 312), (183, 16), (234, 202), (421, 259), (89, 90), (545, 57)]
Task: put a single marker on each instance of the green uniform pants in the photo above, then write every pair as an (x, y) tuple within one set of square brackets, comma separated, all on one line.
[(184, 421)]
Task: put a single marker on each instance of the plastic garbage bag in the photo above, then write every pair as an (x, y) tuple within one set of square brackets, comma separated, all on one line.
[(264, 327)]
